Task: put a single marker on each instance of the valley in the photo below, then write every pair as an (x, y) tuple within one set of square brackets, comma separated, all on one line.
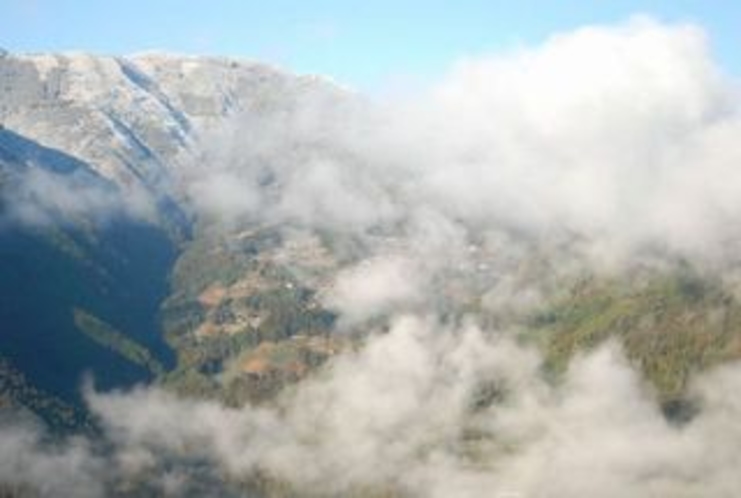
[(225, 278)]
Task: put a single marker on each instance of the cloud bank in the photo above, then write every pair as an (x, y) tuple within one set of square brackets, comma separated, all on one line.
[(622, 138), (422, 410)]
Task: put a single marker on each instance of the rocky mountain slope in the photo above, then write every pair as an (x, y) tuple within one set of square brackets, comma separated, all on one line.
[(91, 154), (133, 119)]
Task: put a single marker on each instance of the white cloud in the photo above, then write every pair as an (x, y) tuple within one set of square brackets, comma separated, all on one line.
[(375, 287), (423, 410), (40, 197), (621, 136)]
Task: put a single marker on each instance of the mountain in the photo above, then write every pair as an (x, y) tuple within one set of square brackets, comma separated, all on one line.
[(136, 280), (134, 119), (84, 138), (519, 279)]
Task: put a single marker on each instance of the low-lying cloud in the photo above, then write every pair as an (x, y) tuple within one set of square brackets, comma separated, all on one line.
[(40, 198), (423, 410)]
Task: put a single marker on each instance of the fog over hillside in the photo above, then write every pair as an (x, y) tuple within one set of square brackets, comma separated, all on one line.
[(609, 150)]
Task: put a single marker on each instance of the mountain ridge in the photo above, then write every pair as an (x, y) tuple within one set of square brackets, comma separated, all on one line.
[(91, 153)]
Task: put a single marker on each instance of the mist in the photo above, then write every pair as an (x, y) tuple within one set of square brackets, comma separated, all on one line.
[(42, 198), (599, 150), (423, 410)]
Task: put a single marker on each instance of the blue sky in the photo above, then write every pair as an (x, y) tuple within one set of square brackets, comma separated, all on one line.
[(365, 44)]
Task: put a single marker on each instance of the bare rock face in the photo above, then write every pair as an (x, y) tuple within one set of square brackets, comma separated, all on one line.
[(134, 119)]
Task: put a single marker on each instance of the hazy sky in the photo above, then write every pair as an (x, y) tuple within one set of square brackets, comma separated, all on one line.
[(366, 44)]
